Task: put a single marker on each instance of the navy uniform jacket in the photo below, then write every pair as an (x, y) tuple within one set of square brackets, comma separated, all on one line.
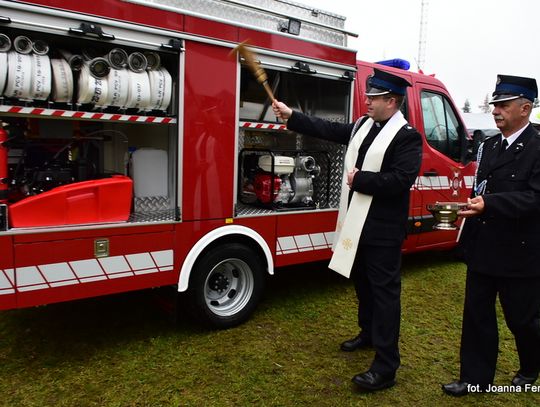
[(505, 240), (386, 223)]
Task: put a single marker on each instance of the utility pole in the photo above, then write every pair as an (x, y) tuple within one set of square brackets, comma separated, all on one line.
[(423, 34)]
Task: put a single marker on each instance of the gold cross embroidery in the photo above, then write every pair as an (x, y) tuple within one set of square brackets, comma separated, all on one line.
[(347, 244)]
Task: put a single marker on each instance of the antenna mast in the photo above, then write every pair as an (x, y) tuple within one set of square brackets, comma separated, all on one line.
[(423, 34)]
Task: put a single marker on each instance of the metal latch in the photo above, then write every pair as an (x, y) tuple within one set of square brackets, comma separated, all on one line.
[(91, 29), (349, 75), (101, 247), (174, 44), (303, 67)]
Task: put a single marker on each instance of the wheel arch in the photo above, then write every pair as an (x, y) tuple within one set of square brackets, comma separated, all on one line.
[(222, 235)]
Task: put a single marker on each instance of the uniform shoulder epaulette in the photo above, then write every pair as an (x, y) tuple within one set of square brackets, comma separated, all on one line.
[(493, 139)]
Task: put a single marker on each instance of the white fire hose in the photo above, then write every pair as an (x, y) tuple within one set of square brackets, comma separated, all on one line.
[(62, 84)]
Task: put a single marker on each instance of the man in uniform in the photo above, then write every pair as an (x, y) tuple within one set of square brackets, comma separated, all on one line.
[(501, 243), (381, 164)]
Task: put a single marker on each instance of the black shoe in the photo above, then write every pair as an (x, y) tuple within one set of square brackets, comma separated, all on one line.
[(372, 381), (521, 380), (358, 342), (456, 389)]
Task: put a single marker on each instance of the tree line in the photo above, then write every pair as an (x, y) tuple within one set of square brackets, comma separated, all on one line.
[(485, 107)]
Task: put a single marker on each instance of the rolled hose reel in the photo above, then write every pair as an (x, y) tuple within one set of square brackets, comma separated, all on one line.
[(27, 73)]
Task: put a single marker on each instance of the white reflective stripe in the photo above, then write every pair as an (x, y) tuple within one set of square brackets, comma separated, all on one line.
[(84, 271), (304, 243), (319, 242), (27, 276), (10, 274), (62, 283), (444, 182), (469, 181), (56, 272), (140, 261), (112, 265), (32, 287), (147, 271), (92, 279), (4, 281), (423, 183), (163, 258), (286, 243), (120, 275), (86, 268), (330, 236)]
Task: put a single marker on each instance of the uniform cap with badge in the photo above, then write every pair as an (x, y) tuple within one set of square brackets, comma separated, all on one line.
[(510, 87), (383, 83)]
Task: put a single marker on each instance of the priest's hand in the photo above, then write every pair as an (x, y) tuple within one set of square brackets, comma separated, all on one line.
[(350, 176)]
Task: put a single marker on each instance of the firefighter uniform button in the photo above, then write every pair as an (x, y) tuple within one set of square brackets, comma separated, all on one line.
[(489, 176), (513, 175), (483, 222)]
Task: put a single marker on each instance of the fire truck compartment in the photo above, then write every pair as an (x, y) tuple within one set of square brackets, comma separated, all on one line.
[(310, 180), (61, 172), (83, 113)]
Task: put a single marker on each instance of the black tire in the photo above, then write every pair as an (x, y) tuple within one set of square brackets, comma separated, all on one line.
[(226, 285)]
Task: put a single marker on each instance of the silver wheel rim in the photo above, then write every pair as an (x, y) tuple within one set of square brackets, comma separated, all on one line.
[(228, 287)]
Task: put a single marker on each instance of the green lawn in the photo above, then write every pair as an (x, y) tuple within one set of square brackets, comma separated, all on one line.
[(124, 351)]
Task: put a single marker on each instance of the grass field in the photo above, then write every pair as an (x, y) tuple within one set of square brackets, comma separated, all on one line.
[(124, 351)]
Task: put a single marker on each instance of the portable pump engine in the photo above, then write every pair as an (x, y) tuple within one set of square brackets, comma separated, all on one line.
[(280, 180)]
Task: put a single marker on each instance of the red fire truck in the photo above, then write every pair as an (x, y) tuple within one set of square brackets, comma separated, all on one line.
[(137, 153)]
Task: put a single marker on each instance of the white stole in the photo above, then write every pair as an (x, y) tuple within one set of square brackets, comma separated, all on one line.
[(351, 221)]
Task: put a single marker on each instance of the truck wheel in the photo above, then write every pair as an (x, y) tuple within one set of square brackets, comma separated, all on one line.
[(227, 283)]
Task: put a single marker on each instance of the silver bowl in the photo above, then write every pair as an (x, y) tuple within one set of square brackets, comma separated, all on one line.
[(446, 213)]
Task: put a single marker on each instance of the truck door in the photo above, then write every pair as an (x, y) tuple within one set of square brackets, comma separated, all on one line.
[(445, 174)]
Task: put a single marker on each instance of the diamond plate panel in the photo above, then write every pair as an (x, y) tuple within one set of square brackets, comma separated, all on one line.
[(153, 216), (331, 165), (244, 14), (152, 203), (250, 210)]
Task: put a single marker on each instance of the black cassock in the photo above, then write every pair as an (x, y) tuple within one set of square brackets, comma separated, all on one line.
[(376, 270)]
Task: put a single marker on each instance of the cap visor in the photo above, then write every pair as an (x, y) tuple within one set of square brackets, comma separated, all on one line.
[(376, 92), (503, 98)]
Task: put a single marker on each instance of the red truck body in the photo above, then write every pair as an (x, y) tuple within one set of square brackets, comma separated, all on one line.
[(222, 192)]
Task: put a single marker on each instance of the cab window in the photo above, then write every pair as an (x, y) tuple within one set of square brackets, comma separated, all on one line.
[(443, 130)]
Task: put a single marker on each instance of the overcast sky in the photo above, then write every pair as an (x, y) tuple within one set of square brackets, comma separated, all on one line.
[(468, 42)]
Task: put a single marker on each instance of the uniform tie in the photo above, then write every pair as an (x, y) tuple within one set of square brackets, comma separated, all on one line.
[(504, 144)]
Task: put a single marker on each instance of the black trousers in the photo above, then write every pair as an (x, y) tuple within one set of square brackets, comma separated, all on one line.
[(520, 302), (377, 280)]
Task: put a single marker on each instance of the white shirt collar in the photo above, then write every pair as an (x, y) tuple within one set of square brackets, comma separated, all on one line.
[(513, 137)]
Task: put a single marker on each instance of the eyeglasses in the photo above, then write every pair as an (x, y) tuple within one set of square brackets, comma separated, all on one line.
[(383, 97)]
